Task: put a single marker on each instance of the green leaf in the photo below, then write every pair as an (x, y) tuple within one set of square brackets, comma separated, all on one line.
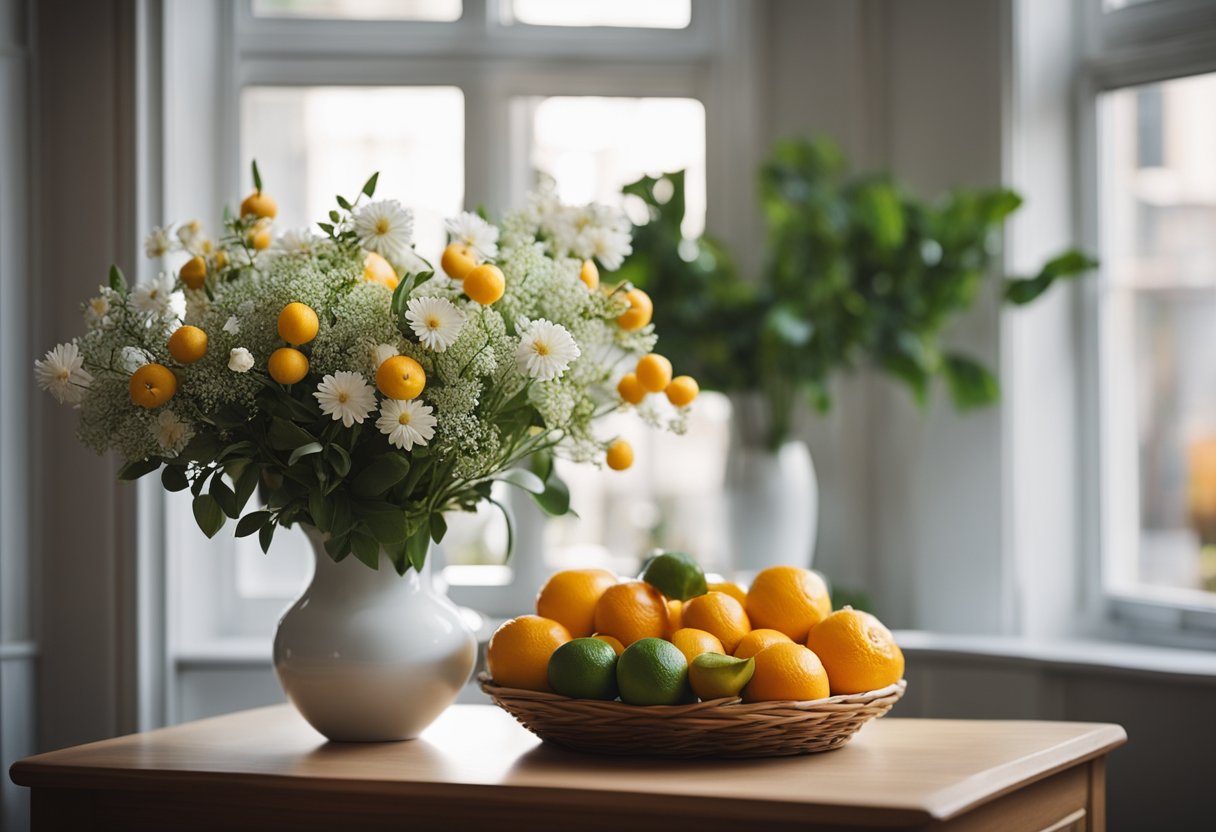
[(287, 436), (136, 469), (118, 281), (334, 216), (417, 546), (439, 527), (369, 187), (225, 496), (326, 227), (881, 215), (382, 474), (266, 536), (321, 510), (555, 499), (208, 514), (506, 515), (1071, 263), (387, 527), (342, 201), (338, 459), (521, 478), (246, 484), (971, 384), (252, 522), (173, 478), (303, 451), (541, 463), (365, 547), (257, 177)]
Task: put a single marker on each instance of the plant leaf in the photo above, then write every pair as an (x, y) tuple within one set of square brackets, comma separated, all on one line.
[(387, 527), (971, 384), (257, 177), (252, 522), (321, 510), (555, 499), (208, 514), (303, 451), (382, 474), (224, 496), (173, 478), (417, 546), (365, 547), (369, 187), (521, 478), (510, 518), (287, 436), (266, 536), (439, 527), (136, 469), (118, 281)]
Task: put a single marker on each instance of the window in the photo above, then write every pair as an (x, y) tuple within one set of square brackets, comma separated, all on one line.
[(651, 14), (436, 10), (1155, 206)]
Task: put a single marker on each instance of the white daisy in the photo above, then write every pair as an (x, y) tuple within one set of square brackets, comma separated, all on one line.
[(158, 243), (609, 246), (190, 233), (96, 310), (346, 396), (545, 350), (156, 297), (472, 230), (232, 326), (240, 360), (172, 433), (407, 423), (61, 373), (382, 353), (385, 227), (436, 321), (296, 241)]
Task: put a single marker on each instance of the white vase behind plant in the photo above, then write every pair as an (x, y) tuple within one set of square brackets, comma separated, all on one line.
[(369, 655)]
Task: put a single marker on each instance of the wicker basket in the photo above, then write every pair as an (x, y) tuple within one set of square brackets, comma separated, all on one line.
[(719, 728)]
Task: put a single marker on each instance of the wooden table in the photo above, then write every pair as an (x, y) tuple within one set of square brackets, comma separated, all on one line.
[(477, 769)]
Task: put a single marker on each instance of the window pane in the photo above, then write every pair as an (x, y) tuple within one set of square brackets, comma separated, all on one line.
[(312, 143), (648, 14), (594, 146), (1159, 258), (436, 10)]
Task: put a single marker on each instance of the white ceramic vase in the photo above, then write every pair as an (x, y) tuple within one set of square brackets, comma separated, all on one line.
[(367, 655)]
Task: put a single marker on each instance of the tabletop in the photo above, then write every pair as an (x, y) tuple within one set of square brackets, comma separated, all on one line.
[(476, 758)]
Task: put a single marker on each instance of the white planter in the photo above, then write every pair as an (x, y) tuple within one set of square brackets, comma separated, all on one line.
[(369, 655)]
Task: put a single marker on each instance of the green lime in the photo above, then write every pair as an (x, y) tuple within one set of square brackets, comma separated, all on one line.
[(652, 671), (676, 575), (584, 668), (714, 676)]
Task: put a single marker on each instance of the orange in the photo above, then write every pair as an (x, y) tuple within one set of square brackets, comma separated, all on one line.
[(152, 385), (860, 654), (485, 284), (675, 615), (733, 590), (682, 390), (631, 611), (757, 640), (187, 344), (259, 238), (630, 390), (787, 671), (458, 260), (611, 642), (788, 599), (519, 651), (400, 377), (220, 259), (298, 324), (194, 272), (569, 598), (654, 372), (619, 455), (287, 365), (639, 313), (378, 270), (259, 205), (589, 274), (719, 614), (693, 642)]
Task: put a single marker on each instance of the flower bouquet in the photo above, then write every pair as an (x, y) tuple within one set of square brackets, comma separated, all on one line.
[(356, 390)]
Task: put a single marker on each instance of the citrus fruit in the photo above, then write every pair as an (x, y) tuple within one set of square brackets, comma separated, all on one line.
[(859, 653), (378, 270), (187, 344), (194, 272), (569, 597), (400, 377), (458, 260), (733, 590), (589, 274), (639, 313), (787, 671), (653, 672), (675, 574), (788, 599), (298, 324), (675, 615), (631, 611), (693, 642), (258, 204), (519, 651), (584, 668), (682, 390), (259, 238), (718, 613), (220, 259), (152, 385), (757, 640), (485, 284), (619, 455), (615, 644), (630, 390), (287, 365), (654, 372), (714, 676)]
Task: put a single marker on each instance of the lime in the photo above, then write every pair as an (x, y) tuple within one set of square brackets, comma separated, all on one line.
[(584, 668), (652, 671), (714, 676), (676, 575)]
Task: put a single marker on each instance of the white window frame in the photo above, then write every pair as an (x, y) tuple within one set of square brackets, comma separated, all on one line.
[(492, 62), (1149, 42)]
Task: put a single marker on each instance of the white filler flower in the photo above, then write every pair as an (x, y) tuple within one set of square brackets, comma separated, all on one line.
[(436, 321), (406, 424), (158, 242), (297, 241), (62, 374), (172, 433), (382, 353), (346, 396), (472, 230), (385, 228), (240, 360), (232, 326), (96, 310), (156, 297), (545, 350)]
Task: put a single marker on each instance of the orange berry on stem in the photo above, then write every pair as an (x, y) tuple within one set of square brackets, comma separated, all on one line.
[(654, 372), (589, 274), (259, 205), (193, 272), (630, 389), (187, 344), (458, 260), (639, 313), (619, 455), (485, 284), (287, 365), (152, 385), (298, 324), (400, 377), (682, 390)]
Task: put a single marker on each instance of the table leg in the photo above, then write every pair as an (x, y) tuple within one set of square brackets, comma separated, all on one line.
[(1096, 809), (61, 810)]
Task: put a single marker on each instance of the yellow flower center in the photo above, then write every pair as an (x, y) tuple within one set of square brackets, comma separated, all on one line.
[(540, 348), (63, 374), (404, 418), (342, 398), (432, 322), (382, 226)]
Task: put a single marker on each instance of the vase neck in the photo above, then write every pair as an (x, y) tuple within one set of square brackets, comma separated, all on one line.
[(352, 575)]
